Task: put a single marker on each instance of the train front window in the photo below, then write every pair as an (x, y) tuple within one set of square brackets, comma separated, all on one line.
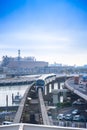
[(40, 83)]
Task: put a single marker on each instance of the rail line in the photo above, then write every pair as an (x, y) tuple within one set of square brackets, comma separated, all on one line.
[(32, 105), (46, 120), (19, 113)]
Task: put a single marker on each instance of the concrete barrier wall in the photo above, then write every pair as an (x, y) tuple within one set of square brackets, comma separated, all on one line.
[(22, 126), (10, 127), (44, 127)]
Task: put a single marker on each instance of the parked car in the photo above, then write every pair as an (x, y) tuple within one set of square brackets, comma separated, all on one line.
[(79, 118), (6, 123), (68, 117), (60, 116), (79, 102), (75, 112)]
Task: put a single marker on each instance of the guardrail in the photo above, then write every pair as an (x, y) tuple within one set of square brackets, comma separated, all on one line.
[(68, 86)]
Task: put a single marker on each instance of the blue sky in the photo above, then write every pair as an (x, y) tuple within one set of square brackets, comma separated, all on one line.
[(50, 30)]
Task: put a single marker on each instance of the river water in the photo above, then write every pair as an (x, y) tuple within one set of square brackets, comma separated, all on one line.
[(7, 91)]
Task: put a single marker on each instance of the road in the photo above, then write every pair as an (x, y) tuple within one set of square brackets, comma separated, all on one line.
[(79, 89)]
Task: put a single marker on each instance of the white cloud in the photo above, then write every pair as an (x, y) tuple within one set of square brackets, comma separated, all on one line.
[(59, 47), (34, 40), (35, 37)]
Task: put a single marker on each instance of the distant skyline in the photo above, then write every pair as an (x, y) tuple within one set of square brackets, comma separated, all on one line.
[(49, 30)]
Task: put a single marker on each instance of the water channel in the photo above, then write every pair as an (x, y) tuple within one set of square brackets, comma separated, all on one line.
[(8, 91)]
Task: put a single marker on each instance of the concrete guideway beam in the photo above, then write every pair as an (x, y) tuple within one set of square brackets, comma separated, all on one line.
[(18, 115), (46, 120)]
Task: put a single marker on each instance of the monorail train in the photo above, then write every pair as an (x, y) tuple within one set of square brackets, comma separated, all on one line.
[(41, 81)]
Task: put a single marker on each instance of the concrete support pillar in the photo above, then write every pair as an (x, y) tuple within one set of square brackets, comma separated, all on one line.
[(46, 89), (61, 85), (58, 85), (55, 85), (64, 95), (52, 86), (56, 97), (6, 100)]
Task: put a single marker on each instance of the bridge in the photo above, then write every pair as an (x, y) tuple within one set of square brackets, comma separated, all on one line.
[(18, 80), (33, 104), (78, 89), (32, 99)]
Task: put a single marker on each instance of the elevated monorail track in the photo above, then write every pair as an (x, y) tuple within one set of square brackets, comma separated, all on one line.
[(19, 114), (32, 106), (35, 106), (45, 117)]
